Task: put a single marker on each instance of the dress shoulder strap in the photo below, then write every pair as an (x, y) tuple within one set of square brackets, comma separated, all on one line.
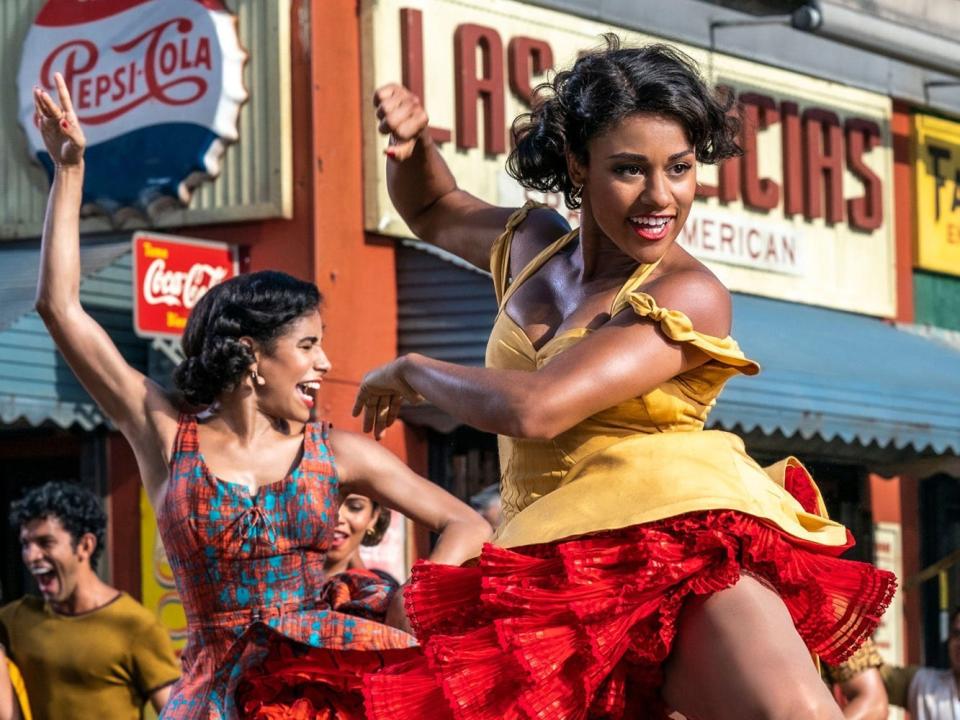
[(677, 326), (500, 252), (317, 455), (186, 438)]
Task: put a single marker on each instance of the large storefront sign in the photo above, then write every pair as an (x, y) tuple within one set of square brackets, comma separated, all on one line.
[(804, 215), (937, 172), (156, 84), (170, 275)]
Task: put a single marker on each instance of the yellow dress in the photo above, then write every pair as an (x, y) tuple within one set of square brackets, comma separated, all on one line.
[(645, 459), (609, 529)]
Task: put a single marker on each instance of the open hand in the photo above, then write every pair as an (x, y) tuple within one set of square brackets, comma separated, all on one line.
[(402, 117), (380, 397), (58, 125)]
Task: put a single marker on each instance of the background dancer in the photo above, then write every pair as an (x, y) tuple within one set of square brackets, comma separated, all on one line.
[(245, 501), (354, 588), (63, 529), (641, 558)]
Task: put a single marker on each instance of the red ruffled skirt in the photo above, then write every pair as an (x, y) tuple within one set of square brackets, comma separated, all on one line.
[(298, 682), (581, 628)]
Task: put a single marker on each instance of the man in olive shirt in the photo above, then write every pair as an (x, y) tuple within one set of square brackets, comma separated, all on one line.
[(86, 650)]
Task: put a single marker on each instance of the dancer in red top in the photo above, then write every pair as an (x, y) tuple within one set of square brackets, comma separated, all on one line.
[(245, 499), (643, 564)]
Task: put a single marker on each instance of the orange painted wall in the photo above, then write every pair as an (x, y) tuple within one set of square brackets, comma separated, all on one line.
[(123, 528), (356, 274)]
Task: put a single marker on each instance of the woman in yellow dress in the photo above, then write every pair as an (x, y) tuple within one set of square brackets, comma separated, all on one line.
[(644, 565)]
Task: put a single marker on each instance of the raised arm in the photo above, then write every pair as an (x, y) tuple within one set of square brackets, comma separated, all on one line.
[(423, 189), (134, 404), (623, 359)]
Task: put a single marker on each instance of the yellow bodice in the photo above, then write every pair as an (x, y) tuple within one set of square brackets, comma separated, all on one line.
[(645, 459)]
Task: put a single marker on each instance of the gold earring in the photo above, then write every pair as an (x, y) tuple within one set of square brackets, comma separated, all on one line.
[(370, 532)]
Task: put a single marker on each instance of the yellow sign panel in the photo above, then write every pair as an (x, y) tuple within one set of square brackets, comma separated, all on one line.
[(159, 590), (937, 169)]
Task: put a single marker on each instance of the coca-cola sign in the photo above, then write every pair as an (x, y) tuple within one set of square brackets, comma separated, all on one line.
[(170, 275), (157, 85)]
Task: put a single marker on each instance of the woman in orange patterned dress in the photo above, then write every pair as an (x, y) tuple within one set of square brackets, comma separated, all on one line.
[(246, 494)]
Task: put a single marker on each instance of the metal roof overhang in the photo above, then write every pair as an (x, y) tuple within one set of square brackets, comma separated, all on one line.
[(826, 374), (36, 385), (837, 375)]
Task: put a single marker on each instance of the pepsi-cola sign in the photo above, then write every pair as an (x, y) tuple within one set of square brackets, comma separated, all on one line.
[(170, 275), (156, 84)]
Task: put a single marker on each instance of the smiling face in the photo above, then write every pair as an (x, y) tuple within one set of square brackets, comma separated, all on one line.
[(640, 183), (292, 370), (52, 557), (358, 514)]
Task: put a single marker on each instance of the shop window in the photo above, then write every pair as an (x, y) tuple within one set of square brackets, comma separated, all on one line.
[(939, 537), (464, 461)]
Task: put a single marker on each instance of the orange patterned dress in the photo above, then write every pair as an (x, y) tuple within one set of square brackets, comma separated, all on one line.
[(268, 637)]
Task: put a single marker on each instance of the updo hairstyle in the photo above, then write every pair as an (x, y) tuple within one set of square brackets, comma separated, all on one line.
[(379, 528), (258, 305), (604, 87)]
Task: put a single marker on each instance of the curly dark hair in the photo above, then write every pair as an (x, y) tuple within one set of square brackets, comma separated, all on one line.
[(379, 528), (77, 508), (603, 87), (257, 305)]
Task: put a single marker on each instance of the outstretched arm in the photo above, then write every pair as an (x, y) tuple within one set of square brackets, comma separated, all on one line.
[(623, 359), (366, 468), (134, 404), (423, 189)]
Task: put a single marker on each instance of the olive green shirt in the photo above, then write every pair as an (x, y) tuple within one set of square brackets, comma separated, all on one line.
[(100, 664)]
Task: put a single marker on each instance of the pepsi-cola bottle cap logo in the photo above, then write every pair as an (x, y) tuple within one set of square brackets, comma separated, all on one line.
[(156, 84)]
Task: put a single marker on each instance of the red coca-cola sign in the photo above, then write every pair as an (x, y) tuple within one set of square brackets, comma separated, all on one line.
[(170, 275)]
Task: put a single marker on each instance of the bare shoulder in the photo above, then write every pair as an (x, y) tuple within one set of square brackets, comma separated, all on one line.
[(696, 292), (353, 452), (541, 227)]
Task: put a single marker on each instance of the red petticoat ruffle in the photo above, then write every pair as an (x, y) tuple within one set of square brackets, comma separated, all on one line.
[(580, 628), (298, 682)]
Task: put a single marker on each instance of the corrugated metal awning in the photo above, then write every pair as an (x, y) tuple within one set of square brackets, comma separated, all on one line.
[(36, 385), (837, 375), (829, 374)]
